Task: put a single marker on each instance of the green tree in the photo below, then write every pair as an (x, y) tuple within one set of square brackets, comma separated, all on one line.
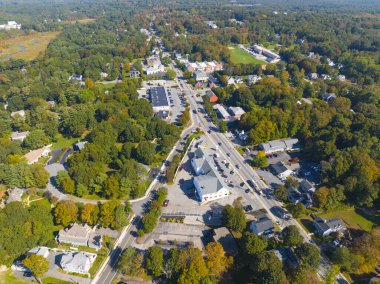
[(223, 127), (154, 261), (309, 255), (234, 218), (170, 74), (281, 192), (253, 244), (38, 264), (36, 139), (268, 269), (65, 212), (145, 152), (297, 210), (291, 236)]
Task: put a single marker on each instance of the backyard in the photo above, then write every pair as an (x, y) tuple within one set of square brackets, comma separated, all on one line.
[(25, 47), (239, 56)]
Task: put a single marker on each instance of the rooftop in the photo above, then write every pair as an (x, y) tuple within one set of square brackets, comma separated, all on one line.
[(158, 96), (279, 167)]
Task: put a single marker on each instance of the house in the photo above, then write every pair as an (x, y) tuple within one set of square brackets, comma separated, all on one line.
[(230, 81), (294, 196), (79, 146), (313, 76), (34, 155), (299, 41), (41, 251), (77, 262), (287, 256), (330, 62), (51, 103), (242, 135), (271, 57), (280, 170), (326, 77), (263, 226), (225, 238), (209, 185), (307, 186), (200, 76), (325, 228), (19, 136), (76, 78), (253, 79), (341, 78), (236, 112), (199, 85), (238, 80), (212, 98), (329, 96), (103, 74), (80, 235), (211, 25), (221, 111), (276, 146), (15, 194), (134, 74), (20, 113)]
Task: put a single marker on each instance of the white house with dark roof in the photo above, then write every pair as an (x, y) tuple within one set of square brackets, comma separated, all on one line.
[(280, 170), (263, 226), (209, 185), (307, 186), (325, 228)]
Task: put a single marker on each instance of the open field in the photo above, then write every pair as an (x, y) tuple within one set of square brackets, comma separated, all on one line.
[(25, 47), (51, 280), (7, 278), (81, 21), (239, 56)]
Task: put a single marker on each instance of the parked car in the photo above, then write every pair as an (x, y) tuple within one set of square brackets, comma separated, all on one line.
[(166, 203)]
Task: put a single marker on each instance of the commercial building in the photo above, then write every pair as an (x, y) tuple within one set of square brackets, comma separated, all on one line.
[(159, 98), (276, 146), (270, 55), (280, 170), (11, 25), (223, 114), (200, 76), (236, 112), (209, 185)]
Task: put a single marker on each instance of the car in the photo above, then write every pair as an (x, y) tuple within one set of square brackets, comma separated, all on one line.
[(242, 184), (237, 166), (232, 172), (228, 155), (247, 190), (248, 208), (165, 203), (219, 143), (250, 183)]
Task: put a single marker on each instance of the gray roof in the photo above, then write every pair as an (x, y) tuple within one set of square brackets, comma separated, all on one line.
[(263, 224), (19, 135), (323, 225), (236, 111), (291, 143), (80, 145), (209, 183), (279, 168), (306, 185), (158, 96), (222, 111)]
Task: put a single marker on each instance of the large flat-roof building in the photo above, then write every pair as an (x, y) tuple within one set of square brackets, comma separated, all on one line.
[(222, 112), (280, 146), (159, 98)]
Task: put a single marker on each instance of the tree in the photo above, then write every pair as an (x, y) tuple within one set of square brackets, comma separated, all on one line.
[(291, 236), (112, 187), (196, 270), (320, 196), (253, 244), (65, 212), (223, 127), (309, 255), (234, 218), (344, 258), (170, 74), (260, 160), (297, 210), (268, 269), (38, 264), (131, 263), (87, 213), (145, 152), (36, 139), (216, 260), (291, 182), (281, 192), (154, 261)]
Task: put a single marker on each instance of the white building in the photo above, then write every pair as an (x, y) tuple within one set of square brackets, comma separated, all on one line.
[(200, 76), (276, 146), (33, 156), (155, 69), (209, 185), (11, 25), (341, 78), (281, 170), (77, 262), (221, 111), (19, 136), (159, 99)]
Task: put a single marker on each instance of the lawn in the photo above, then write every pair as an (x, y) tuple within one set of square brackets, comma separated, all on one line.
[(7, 278), (353, 219), (239, 56), (51, 280), (25, 47), (63, 142)]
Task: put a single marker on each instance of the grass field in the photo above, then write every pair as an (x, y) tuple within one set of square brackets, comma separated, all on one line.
[(354, 219), (51, 280), (239, 56), (7, 278), (25, 47)]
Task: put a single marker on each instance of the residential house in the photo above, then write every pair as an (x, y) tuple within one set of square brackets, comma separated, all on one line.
[(242, 135), (200, 76), (76, 77), (236, 112), (33, 156), (79, 146), (80, 235), (134, 74), (238, 80), (263, 226), (103, 75), (253, 79), (19, 136), (77, 262), (330, 62), (41, 251), (307, 186), (10, 25), (287, 256), (329, 96), (20, 113), (280, 170), (230, 81), (299, 41), (209, 185), (212, 98), (153, 60), (221, 111), (152, 70), (224, 237), (326, 77), (325, 228), (313, 76), (15, 194), (341, 78)]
